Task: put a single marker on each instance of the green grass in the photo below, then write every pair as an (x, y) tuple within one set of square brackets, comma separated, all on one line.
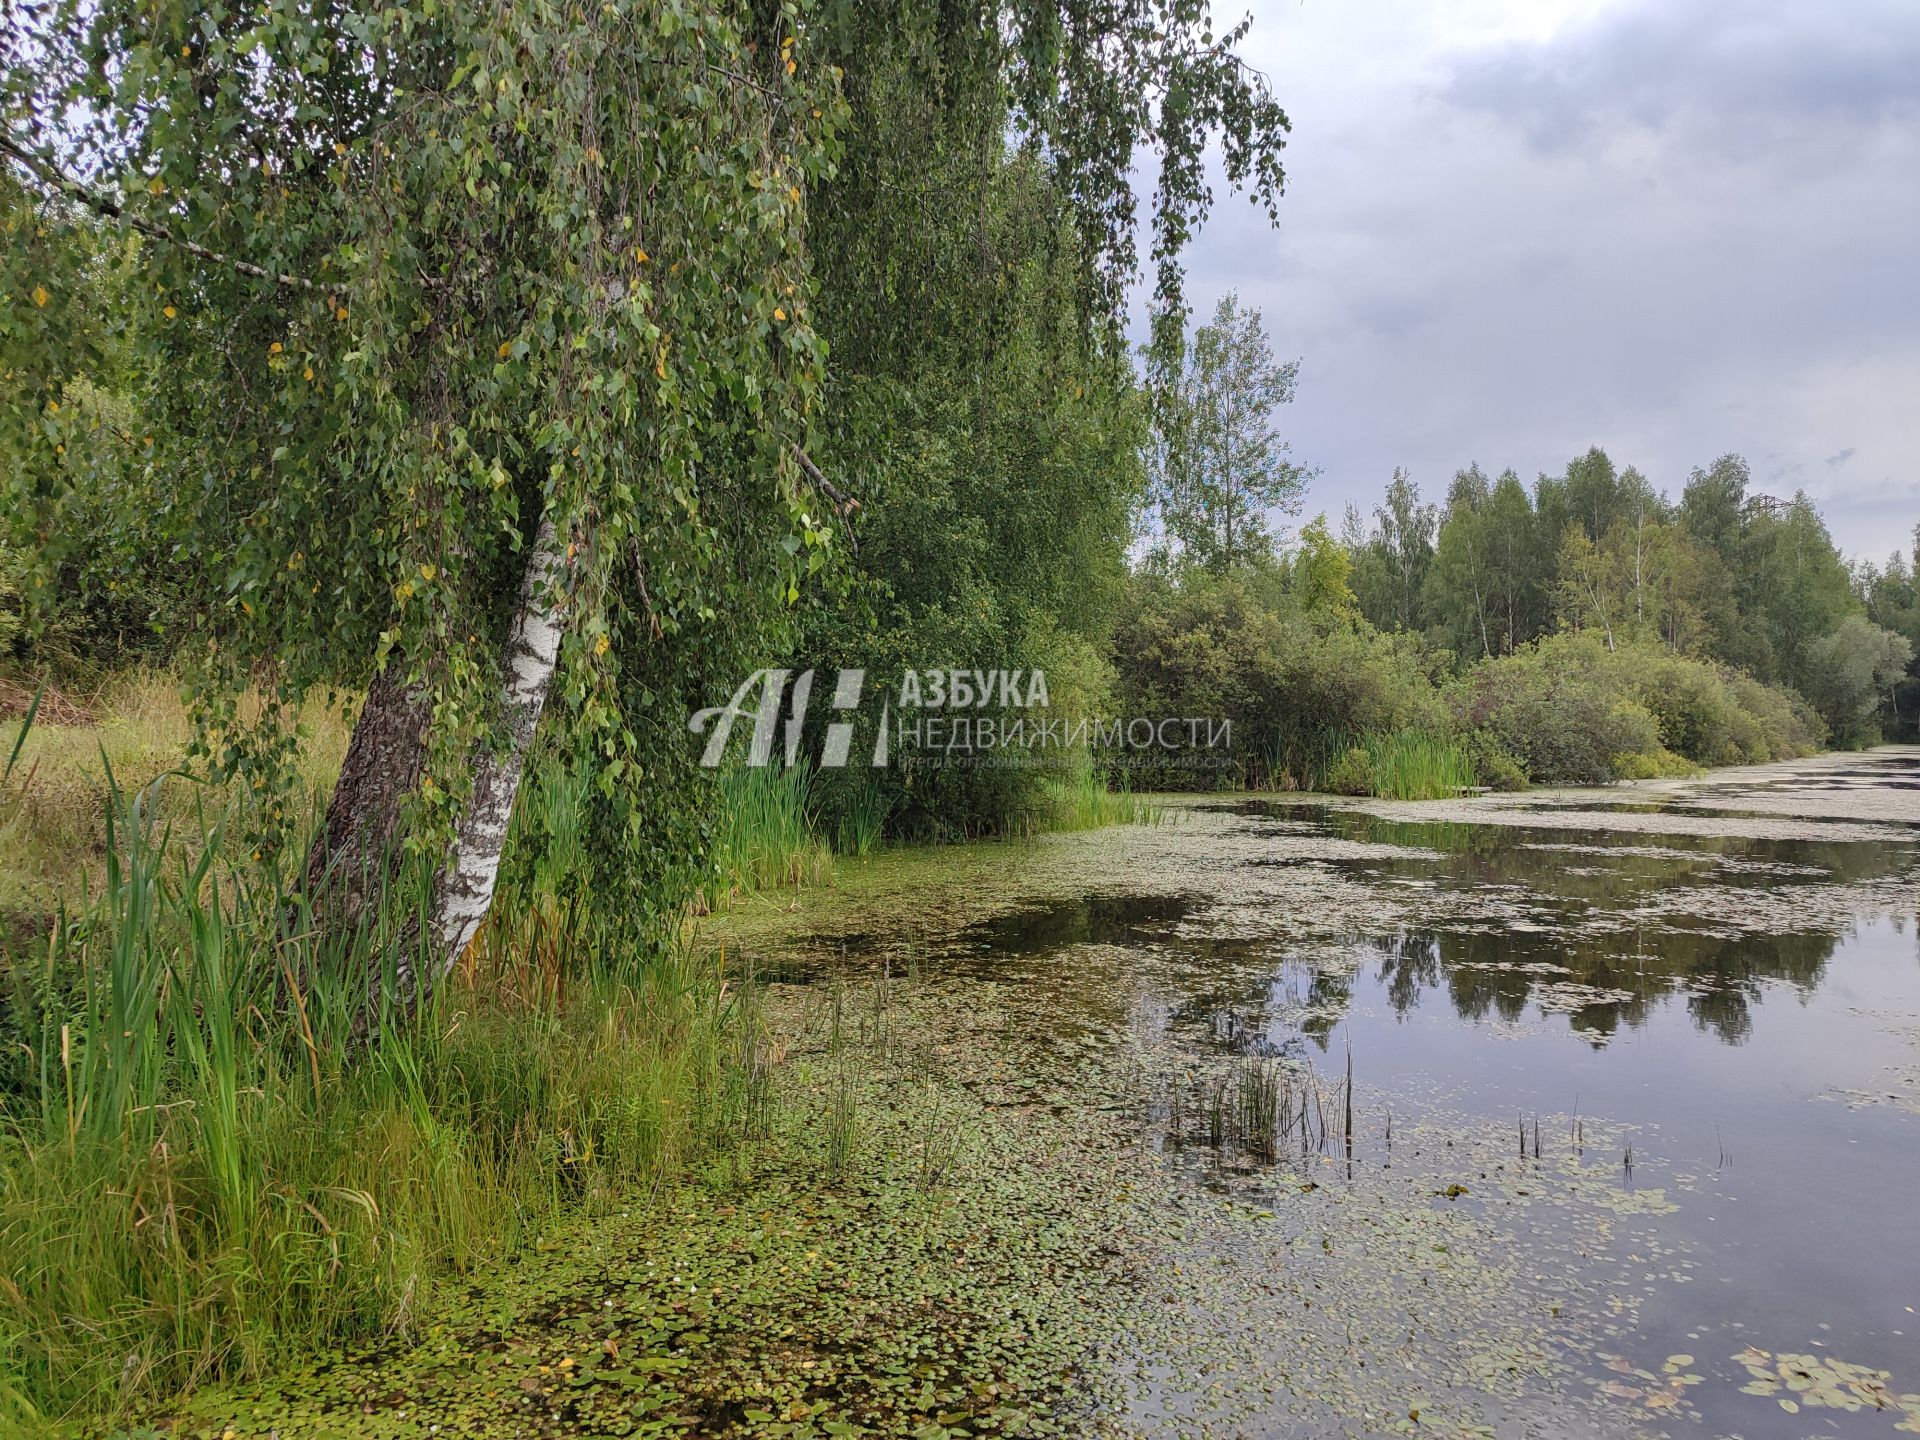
[(1304, 761), (53, 802), (202, 1173), (1082, 800), (1403, 765), (767, 833)]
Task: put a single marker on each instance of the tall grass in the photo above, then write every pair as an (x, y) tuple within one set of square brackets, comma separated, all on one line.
[(52, 805), (205, 1168), (1304, 760), (1082, 800), (767, 832), (1403, 765), (863, 805)]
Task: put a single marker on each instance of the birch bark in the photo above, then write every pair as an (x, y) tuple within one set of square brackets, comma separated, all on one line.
[(357, 855), (463, 891)]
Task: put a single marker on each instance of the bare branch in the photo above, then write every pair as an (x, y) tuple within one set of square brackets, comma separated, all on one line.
[(47, 174), (844, 505)]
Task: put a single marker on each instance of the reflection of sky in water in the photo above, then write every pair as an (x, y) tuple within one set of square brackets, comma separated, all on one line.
[(1802, 1213), (1765, 1074)]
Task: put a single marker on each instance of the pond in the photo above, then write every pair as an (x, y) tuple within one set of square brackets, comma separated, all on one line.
[(1587, 1113), (1646, 1063)]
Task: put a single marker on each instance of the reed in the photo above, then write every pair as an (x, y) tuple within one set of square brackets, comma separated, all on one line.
[(1403, 765), (204, 1169), (767, 835), (1082, 800)]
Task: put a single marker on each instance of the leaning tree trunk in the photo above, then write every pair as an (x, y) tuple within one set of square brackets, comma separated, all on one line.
[(357, 853), (463, 890), (357, 856)]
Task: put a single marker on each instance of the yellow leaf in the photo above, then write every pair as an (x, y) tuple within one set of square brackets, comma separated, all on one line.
[(157, 186), (275, 348), (341, 313), (639, 254), (600, 645), (791, 67), (793, 193), (779, 314), (505, 347), (40, 296), (427, 572), (660, 367), (168, 311), (307, 373)]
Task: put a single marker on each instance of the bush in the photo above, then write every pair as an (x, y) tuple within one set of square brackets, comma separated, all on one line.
[(1351, 773), (1549, 706), (1493, 764), (1569, 711), (1298, 689)]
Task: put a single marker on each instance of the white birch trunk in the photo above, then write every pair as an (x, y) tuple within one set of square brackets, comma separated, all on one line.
[(464, 890)]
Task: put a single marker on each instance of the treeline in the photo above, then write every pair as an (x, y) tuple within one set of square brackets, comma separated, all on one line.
[(1581, 628), (1719, 572)]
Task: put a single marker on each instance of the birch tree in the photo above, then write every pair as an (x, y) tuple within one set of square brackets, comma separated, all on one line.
[(459, 328), (1220, 465), (477, 367)]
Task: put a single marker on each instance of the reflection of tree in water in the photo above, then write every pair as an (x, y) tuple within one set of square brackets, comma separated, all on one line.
[(1486, 974), (1573, 876), (1408, 965)]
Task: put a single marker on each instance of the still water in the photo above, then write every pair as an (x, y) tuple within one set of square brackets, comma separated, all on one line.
[(1643, 1071)]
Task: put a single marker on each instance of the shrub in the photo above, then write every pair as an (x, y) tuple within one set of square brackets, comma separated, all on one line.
[(1568, 710), (1493, 764), (1550, 707), (1350, 773), (1298, 689)]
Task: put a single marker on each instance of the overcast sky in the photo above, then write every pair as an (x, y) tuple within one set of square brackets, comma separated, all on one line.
[(1517, 228)]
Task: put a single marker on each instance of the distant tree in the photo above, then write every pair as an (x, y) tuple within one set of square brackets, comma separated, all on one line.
[(1791, 588), (1892, 598), (1218, 464), (1521, 557), (1632, 539), (1403, 540), (1849, 671), (1322, 573), (1594, 493), (1461, 582), (1711, 505), (1372, 576), (1584, 592)]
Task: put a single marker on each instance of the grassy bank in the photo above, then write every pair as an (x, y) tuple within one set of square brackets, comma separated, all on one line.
[(136, 728), (206, 1171), (200, 1177)]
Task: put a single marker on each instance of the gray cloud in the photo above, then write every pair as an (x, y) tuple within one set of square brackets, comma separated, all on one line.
[(1676, 228), (1755, 79)]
